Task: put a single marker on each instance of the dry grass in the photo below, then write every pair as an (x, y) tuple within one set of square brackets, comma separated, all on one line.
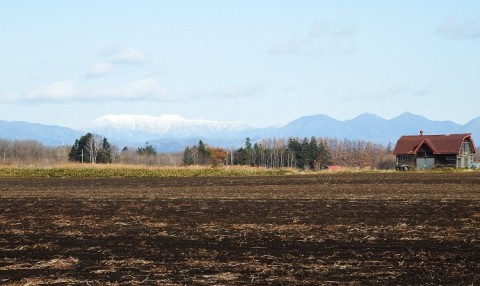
[(129, 171), (122, 170)]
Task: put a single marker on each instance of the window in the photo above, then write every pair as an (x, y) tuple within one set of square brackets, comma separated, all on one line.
[(402, 158), (466, 147)]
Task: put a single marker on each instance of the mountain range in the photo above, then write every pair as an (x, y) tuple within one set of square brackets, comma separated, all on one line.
[(170, 133)]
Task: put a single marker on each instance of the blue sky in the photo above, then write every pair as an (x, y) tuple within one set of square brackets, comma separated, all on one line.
[(259, 62)]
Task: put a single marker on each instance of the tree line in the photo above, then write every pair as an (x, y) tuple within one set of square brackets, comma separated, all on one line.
[(92, 148), (360, 153), (202, 154), (89, 148), (30, 152), (307, 154)]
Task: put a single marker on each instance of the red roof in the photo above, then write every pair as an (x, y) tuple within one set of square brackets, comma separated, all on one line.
[(439, 144)]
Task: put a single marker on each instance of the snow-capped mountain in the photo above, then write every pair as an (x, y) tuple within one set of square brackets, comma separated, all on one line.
[(172, 133), (132, 128)]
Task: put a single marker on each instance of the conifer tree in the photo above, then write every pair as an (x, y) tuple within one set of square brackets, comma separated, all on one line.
[(88, 150)]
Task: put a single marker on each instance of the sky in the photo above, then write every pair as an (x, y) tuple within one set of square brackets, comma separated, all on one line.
[(262, 62)]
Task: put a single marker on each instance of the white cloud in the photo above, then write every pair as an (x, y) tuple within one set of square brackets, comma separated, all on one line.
[(113, 56), (99, 69), (347, 30), (228, 91), (467, 29), (144, 89), (129, 55), (291, 47), (387, 92), (148, 89), (9, 96), (57, 91), (245, 90), (317, 29), (326, 29), (323, 38)]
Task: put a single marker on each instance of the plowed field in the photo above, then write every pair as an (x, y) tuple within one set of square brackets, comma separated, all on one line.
[(330, 229)]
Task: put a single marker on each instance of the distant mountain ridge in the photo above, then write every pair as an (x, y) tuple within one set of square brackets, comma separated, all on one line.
[(371, 127), (51, 135), (170, 133)]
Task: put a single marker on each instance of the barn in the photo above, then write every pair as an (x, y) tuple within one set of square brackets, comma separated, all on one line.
[(425, 152)]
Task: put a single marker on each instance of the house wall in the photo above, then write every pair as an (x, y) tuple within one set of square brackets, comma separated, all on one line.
[(406, 160), (425, 152), (441, 161), (465, 158), (464, 161), (425, 163), (446, 161)]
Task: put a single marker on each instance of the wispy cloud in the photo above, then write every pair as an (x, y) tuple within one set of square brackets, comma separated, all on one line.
[(148, 89), (99, 69), (113, 56), (57, 91), (129, 56), (247, 90), (347, 30), (144, 89), (386, 92), (230, 91), (318, 29), (323, 38), (326, 29), (290, 47), (454, 29)]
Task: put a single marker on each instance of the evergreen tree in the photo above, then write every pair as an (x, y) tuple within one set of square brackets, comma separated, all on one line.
[(242, 156), (75, 152), (296, 148), (324, 156), (204, 154), (147, 150), (87, 150), (189, 156), (257, 154), (248, 154), (305, 155), (314, 153), (104, 155)]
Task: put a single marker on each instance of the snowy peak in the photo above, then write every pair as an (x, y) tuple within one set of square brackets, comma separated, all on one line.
[(173, 133), (127, 126), (146, 123)]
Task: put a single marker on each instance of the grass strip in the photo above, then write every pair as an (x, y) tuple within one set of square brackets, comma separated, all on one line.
[(125, 171)]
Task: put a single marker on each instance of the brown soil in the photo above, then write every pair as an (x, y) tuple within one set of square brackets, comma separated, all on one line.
[(330, 229)]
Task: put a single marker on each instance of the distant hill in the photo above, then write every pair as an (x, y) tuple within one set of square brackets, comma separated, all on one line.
[(50, 135), (371, 127), (171, 133)]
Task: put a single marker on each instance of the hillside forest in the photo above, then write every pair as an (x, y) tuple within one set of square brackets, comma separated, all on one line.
[(302, 153)]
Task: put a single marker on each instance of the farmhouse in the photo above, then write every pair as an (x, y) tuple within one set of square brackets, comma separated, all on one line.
[(426, 152)]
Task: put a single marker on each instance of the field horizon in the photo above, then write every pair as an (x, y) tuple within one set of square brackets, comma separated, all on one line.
[(350, 228), (66, 170)]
